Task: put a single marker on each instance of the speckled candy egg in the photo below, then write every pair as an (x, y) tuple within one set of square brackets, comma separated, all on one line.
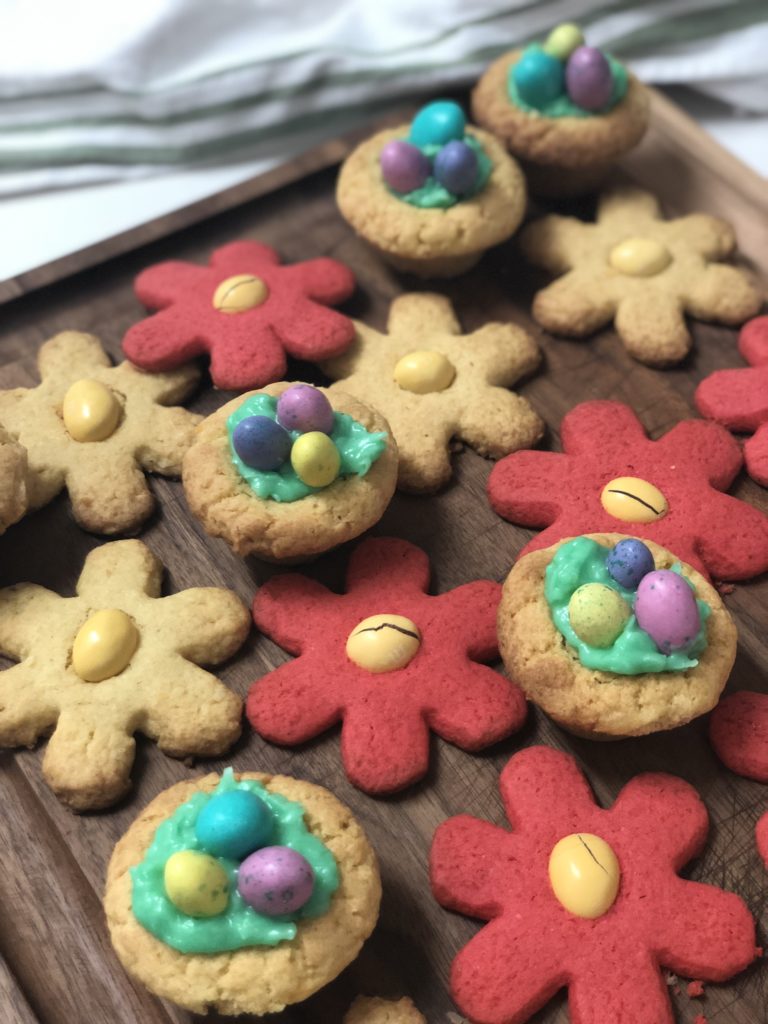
[(538, 78), (588, 78), (438, 123), (597, 614), (563, 40), (234, 824), (196, 884), (403, 166), (629, 561), (261, 443), (456, 167), (666, 609), (315, 459), (304, 408), (275, 880)]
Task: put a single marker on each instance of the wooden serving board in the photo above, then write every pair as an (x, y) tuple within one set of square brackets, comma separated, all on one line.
[(57, 964)]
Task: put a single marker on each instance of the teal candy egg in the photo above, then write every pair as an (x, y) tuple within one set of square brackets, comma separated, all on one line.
[(234, 824), (538, 77), (437, 123)]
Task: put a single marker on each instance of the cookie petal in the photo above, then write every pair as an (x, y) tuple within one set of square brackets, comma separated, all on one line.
[(168, 282), (288, 609), (71, 355), (724, 294), (22, 609), (556, 243), (112, 570), (190, 711), (653, 328), (244, 257), (679, 818), (529, 487), (756, 455), (477, 707), (575, 305), (503, 423), (324, 279), (309, 331), (162, 341), (711, 237), (384, 750), (26, 712), (421, 313), (383, 565), (625, 206), (624, 985), (206, 624), (528, 782), (738, 730), (248, 358), (288, 706), (470, 863)]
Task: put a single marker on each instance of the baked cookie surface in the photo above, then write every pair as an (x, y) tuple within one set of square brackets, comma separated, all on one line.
[(603, 704), (373, 1010), (13, 481), (251, 980)]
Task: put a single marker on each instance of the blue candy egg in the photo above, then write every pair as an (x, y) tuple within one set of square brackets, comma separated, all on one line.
[(261, 443), (438, 123), (539, 78), (629, 561), (455, 167), (234, 824)]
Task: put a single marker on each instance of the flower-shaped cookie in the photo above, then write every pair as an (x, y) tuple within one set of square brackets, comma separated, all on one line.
[(117, 658), (739, 398), (433, 383), (387, 659), (96, 429), (738, 730), (610, 478), (583, 897), (642, 272), (13, 481), (245, 309)]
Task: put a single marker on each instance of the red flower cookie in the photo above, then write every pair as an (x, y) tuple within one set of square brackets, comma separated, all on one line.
[(610, 477), (245, 309), (739, 398), (642, 916), (388, 660), (738, 730)]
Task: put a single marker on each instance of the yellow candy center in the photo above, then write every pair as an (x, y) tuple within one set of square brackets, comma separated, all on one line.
[(315, 459), (90, 411), (196, 883), (383, 643), (104, 645), (633, 500), (640, 257), (423, 372), (240, 293), (584, 874)]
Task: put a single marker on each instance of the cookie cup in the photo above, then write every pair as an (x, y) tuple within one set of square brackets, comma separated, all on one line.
[(257, 979), (286, 532), (564, 156), (606, 705), (431, 242)]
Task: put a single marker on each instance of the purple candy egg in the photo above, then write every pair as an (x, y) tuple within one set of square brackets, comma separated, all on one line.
[(456, 167), (404, 166), (275, 880), (629, 561), (665, 607), (261, 443), (588, 78), (304, 408)]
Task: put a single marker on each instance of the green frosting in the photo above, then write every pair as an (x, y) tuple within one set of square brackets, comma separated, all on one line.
[(357, 447), (240, 925), (432, 195), (562, 105), (633, 652)]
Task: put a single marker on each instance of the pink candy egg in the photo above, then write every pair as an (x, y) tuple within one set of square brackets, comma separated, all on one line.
[(403, 166), (588, 78), (275, 880), (665, 607), (305, 409)]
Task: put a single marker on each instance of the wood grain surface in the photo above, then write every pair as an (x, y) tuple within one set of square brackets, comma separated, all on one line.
[(56, 963)]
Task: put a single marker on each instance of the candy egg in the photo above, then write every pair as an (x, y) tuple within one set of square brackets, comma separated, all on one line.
[(629, 561), (104, 645), (383, 643), (456, 167), (563, 40), (438, 123), (240, 293), (597, 614), (403, 166), (234, 824), (315, 459), (275, 880), (196, 884), (584, 874), (588, 78), (424, 372), (90, 411), (665, 607), (640, 257), (538, 78), (304, 408), (261, 443)]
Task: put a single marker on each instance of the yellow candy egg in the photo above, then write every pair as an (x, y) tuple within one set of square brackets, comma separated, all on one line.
[(315, 459), (584, 874), (240, 293), (90, 411), (597, 614), (423, 372), (104, 645), (383, 643), (196, 884), (640, 257), (633, 500), (563, 40)]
